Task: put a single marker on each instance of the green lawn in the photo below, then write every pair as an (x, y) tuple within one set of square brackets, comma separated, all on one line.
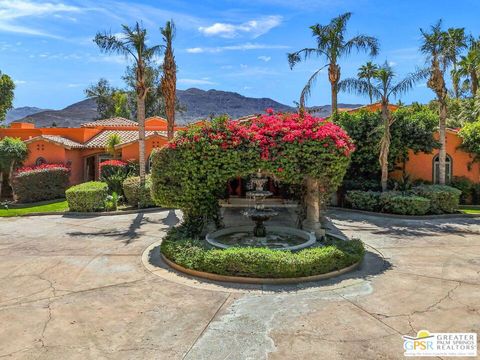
[(470, 209), (44, 206)]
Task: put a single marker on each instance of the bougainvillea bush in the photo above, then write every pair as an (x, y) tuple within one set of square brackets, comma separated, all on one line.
[(114, 172), (192, 171), (38, 183)]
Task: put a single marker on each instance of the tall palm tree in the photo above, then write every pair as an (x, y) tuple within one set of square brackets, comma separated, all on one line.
[(456, 41), (132, 43), (367, 72), (169, 77), (383, 88), (469, 66), (331, 45), (434, 46)]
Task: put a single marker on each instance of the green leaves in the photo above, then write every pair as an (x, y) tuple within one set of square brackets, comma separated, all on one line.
[(7, 86)]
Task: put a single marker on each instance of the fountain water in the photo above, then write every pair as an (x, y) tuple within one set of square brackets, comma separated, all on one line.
[(274, 237)]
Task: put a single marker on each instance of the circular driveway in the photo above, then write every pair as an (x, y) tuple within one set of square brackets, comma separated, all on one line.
[(76, 288)]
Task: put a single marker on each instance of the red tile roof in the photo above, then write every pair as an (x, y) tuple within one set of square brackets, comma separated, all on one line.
[(126, 136), (57, 140), (116, 121)]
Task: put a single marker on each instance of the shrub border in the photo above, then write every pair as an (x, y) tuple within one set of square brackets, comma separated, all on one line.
[(400, 216), (252, 280)]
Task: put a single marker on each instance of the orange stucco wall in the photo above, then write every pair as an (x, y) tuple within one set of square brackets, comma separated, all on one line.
[(420, 166), (130, 152)]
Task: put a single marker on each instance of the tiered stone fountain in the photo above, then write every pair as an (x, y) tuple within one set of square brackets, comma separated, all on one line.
[(274, 237)]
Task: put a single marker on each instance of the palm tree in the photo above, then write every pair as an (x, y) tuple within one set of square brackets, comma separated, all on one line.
[(383, 88), (456, 41), (331, 45), (469, 66), (434, 46), (132, 43), (112, 141), (367, 72), (169, 77)]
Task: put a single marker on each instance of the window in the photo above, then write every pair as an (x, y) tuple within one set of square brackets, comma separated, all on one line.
[(40, 161), (436, 169), (149, 164)]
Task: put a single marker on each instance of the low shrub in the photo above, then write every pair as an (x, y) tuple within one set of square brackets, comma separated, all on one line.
[(113, 173), (404, 204), (87, 197), (45, 182), (261, 262), (131, 189), (443, 198), (466, 186), (364, 200)]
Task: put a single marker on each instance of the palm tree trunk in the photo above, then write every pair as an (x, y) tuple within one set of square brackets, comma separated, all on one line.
[(141, 138), (10, 178), (474, 79), (455, 80), (1, 183), (443, 141), (385, 147), (334, 77)]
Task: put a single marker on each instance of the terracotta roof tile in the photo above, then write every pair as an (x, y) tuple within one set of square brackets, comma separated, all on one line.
[(116, 121), (126, 136), (58, 140)]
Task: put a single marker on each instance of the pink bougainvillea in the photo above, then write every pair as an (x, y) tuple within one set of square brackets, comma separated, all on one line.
[(269, 130), (118, 163), (41, 167)]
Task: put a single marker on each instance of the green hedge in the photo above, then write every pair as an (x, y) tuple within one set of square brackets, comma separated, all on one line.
[(40, 184), (131, 189), (443, 199), (262, 262), (87, 197), (364, 200), (405, 204)]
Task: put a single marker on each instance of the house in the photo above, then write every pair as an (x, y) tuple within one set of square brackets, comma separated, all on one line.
[(425, 166), (83, 148)]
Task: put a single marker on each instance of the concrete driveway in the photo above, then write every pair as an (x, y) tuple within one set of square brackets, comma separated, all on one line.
[(76, 288)]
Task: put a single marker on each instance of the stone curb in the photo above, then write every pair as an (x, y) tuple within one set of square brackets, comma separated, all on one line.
[(93, 214), (259, 281), (406, 217)]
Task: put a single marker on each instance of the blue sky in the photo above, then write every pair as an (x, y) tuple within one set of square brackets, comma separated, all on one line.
[(233, 45)]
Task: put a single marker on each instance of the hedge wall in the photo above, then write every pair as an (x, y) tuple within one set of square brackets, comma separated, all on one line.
[(87, 197), (40, 183)]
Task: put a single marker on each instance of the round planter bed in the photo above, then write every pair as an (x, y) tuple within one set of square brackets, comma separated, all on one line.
[(260, 281)]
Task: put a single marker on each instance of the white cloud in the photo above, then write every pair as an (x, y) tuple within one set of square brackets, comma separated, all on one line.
[(252, 28), (392, 63), (203, 81), (19, 82), (240, 47), (13, 11), (264, 58)]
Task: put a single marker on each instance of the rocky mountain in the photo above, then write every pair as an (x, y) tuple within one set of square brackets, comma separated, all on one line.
[(199, 104), (21, 112)]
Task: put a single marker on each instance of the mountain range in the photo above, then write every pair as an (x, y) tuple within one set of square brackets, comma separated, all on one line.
[(199, 104)]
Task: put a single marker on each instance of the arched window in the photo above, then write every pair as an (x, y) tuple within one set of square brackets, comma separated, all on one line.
[(436, 169), (40, 161)]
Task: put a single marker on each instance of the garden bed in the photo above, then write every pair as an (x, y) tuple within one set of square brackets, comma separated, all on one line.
[(250, 264)]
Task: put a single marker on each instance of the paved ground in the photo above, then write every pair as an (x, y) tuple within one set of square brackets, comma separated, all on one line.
[(76, 288)]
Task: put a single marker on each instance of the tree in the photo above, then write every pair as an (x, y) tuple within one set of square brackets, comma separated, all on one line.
[(456, 41), (111, 102), (169, 77), (12, 154), (469, 66), (412, 129), (331, 45), (112, 141), (367, 72), (132, 43), (383, 89), (434, 46), (7, 87)]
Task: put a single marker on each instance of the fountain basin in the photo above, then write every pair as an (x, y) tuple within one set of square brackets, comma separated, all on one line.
[(277, 237)]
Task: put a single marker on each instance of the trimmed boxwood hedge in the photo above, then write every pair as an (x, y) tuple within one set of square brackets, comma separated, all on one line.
[(40, 184), (443, 198), (261, 262), (364, 200), (87, 197), (405, 205), (131, 189)]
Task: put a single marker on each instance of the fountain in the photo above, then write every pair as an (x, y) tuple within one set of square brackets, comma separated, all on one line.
[(273, 237)]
